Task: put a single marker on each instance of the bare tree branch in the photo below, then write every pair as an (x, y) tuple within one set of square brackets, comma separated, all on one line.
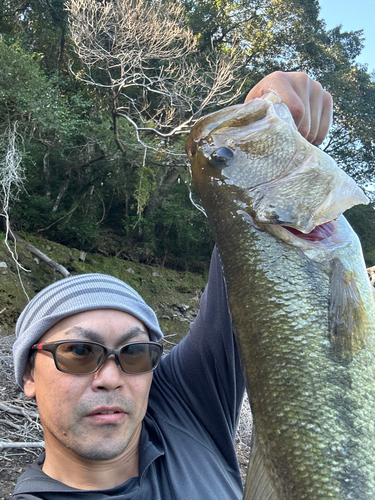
[(158, 81), (11, 182), (126, 35)]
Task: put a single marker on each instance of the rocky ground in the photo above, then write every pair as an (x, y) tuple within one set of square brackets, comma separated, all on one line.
[(173, 295)]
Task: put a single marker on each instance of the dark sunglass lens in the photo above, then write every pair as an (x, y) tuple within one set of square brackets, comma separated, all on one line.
[(79, 357), (140, 357)]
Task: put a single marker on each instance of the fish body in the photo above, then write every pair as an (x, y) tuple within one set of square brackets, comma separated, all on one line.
[(301, 303)]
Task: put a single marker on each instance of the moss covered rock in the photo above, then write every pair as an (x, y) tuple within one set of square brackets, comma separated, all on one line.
[(174, 295)]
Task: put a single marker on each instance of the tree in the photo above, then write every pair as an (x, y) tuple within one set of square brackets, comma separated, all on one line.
[(11, 177), (38, 26), (352, 138), (289, 36), (143, 53), (142, 56), (54, 137), (104, 92)]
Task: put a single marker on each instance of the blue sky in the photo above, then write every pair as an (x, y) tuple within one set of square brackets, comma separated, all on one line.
[(353, 15)]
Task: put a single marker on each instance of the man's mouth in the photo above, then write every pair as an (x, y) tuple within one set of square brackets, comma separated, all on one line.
[(107, 415), (106, 412)]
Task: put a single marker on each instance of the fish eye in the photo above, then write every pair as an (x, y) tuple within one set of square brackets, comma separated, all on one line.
[(221, 155), (224, 153)]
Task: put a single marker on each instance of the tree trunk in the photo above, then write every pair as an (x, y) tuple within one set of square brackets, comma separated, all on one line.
[(64, 186), (46, 174)]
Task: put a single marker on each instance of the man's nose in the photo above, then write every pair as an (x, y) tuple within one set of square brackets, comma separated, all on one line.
[(110, 375)]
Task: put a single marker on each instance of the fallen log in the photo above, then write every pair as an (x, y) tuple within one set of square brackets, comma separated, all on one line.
[(43, 257)]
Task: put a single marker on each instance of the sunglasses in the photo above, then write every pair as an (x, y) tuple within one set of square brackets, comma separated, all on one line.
[(78, 357)]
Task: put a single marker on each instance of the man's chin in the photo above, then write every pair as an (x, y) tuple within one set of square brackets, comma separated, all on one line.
[(101, 451)]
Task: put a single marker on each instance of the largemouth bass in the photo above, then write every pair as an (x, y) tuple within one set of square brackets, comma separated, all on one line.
[(301, 302)]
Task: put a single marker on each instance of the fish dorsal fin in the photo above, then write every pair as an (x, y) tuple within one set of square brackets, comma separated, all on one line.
[(258, 482), (347, 325)]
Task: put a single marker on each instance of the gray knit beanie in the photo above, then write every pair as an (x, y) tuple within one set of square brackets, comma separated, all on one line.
[(74, 295)]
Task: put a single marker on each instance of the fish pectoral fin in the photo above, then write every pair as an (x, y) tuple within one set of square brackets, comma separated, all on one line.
[(347, 325), (258, 482)]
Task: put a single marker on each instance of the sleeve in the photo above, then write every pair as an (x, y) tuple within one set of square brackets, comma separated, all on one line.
[(204, 369)]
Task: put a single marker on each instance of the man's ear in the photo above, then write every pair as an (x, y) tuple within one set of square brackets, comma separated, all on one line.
[(28, 381)]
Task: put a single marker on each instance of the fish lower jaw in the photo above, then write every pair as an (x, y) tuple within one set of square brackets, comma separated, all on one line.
[(319, 233), (325, 238)]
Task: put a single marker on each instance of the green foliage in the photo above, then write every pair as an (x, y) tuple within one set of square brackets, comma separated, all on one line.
[(351, 140), (34, 214), (362, 219), (38, 27), (25, 92), (175, 234), (88, 183), (145, 182)]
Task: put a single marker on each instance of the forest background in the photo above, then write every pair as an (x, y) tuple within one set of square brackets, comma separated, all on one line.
[(97, 98)]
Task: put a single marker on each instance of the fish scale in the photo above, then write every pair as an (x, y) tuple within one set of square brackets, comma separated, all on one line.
[(307, 355)]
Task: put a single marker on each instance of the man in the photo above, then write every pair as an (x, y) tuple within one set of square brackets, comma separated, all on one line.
[(118, 424)]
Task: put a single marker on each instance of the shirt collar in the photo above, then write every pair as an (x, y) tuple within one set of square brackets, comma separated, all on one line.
[(151, 445)]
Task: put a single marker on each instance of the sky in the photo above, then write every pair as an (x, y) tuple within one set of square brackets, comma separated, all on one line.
[(353, 15)]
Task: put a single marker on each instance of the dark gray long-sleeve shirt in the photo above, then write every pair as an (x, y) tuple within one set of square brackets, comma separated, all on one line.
[(186, 444)]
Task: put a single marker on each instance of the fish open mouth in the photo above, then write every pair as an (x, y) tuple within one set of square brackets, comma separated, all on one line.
[(315, 244), (319, 233)]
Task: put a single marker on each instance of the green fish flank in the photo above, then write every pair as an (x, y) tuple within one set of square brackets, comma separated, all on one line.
[(303, 310)]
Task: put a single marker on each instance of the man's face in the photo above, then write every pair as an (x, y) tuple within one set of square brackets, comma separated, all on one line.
[(76, 411)]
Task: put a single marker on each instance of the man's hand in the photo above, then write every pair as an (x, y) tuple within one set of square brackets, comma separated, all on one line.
[(309, 103)]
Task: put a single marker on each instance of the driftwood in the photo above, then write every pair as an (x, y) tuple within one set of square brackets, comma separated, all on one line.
[(37, 444), (43, 257), (17, 411), (21, 433)]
